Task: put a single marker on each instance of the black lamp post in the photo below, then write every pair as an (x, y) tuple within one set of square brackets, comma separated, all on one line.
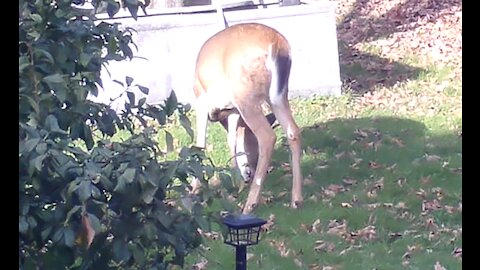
[(243, 231)]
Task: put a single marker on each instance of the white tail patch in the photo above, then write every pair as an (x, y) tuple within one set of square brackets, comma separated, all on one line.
[(271, 65)]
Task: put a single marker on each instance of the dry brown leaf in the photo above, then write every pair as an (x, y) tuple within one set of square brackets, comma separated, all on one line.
[(374, 165), (373, 206), (426, 180), (338, 228), (400, 205), (368, 233), (430, 224), (200, 265), (336, 188), (324, 246), (431, 205), (432, 158), (298, 262), (340, 155), (349, 181), (88, 231), (449, 209), (346, 205), (438, 266), (390, 168), (457, 252), (270, 222), (398, 142)]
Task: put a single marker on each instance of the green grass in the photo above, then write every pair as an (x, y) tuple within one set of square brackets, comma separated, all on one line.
[(401, 155)]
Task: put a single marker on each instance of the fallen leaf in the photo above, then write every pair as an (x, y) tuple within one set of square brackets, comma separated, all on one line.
[(89, 232), (349, 181), (338, 228), (270, 222), (368, 233), (346, 205), (431, 205), (200, 265), (438, 266), (324, 246), (374, 165), (390, 168), (457, 252), (298, 262), (432, 158), (426, 180), (456, 170), (339, 155), (449, 209), (398, 142)]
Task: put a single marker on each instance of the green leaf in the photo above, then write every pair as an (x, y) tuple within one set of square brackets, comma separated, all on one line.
[(22, 224), (131, 97), (226, 181), (128, 80), (72, 186), (85, 59), (150, 230), (128, 175), (46, 55), (58, 235), (41, 148), (84, 190), (138, 254), (23, 63), (202, 222), (164, 219), (46, 232), (69, 237), (120, 251), (36, 18), (143, 89), (141, 102), (112, 8), (55, 78), (71, 212), (120, 187), (51, 124), (29, 145), (95, 222), (171, 104), (38, 162), (169, 141), (187, 125)]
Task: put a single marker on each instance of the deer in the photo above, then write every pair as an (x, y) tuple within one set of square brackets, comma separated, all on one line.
[(238, 70)]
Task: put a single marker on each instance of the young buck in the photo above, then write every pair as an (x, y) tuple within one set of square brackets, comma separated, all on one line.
[(238, 70)]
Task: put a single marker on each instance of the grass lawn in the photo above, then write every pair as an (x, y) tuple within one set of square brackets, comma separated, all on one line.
[(382, 167), (382, 163)]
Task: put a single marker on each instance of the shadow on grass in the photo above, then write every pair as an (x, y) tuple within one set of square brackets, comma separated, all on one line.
[(366, 149), (361, 71)]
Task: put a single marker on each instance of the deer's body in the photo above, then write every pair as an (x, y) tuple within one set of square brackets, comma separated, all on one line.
[(238, 70)]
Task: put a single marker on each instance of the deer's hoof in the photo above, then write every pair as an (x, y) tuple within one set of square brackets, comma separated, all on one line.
[(297, 204)]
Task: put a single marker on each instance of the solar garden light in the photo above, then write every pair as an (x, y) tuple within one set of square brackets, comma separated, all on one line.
[(243, 231)]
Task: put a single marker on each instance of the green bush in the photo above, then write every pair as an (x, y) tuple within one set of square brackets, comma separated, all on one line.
[(87, 202)]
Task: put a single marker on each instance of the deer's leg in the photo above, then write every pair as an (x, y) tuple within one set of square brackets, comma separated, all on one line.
[(259, 125), (282, 111), (201, 110)]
